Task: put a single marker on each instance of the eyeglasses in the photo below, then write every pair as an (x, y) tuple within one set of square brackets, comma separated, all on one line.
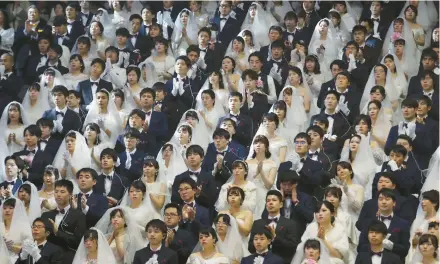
[(38, 227), (170, 215)]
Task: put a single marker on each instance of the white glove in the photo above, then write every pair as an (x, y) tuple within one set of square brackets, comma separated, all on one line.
[(294, 58), (387, 244), (351, 63), (357, 129), (2, 70), (101, 123), (67, 159), (344, 108), (32, 249), (168, 21), (177, 87), (274, 73), (201, 63), (411, 130), (393, 165)]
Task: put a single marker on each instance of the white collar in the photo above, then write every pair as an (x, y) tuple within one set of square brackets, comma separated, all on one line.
[(277, 216), (339, 91), (372, 17), (227, 16), (88, 193), (157, 249), (36, 149), (64, 110), (326, 112), (110, 174), (238, 113), (265, 251), (392, 214), (66, 209), (131, 152), (197, 171), (96, 80)]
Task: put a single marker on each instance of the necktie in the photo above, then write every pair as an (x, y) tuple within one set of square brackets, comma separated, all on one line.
[(61, 211), (383, 218), (60, 113), (30, 151), (379, 254), (40, 247)]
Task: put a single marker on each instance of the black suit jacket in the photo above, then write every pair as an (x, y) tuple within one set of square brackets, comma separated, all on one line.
[(71, 121), (50, 254), (165, 256), (51, 148), (270, 258), (36, 170), (20, 39), (387, 258), (85, 89), (244, 130), (143, 45), (10, 90), (98, 205), (117, 189), (63, 70), (229, 31), (183, 243), (286, 240), (70, 232)]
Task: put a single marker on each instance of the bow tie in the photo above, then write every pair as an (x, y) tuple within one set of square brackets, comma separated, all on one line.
[(94, 83), (232, 115), (204, 50), (379, 254), (10, 183), (61, 211), (276, 62), (108, 177), (167, 10), (383, 218), (375, 20), (43, 141), (30, 151), (273, 220), (223, 18), (194, 173), (302, 160), (134, 36), (290, 33), (332, 116), (221, 153), (313, 153), (148, 113), (147, 26), (262, 254), (155, 252), (428, 94), (59, 113), (40, 247), (405, 125), (43, 56), (159, 102), (61, 36), (190, 204)]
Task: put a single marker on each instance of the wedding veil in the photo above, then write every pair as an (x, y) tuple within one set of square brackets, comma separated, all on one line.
[(20, 228), (34, 204), (324, 257), (105, 254)]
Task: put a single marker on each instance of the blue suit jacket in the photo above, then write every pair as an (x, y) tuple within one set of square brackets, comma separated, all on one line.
[(399, 230), (137, 163), (98, 205), (422, 144), (117, 189), (158, 128), (85, 89), (270, 258), (17, 184), (211, 157)]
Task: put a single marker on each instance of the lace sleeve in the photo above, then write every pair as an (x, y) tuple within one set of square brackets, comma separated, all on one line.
[(378, 155), (355, 198), (250, 200), (222, 203)]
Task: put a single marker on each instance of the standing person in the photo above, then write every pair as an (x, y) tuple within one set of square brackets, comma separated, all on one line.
[(284, 231), (10, 83), (156, 233), (228, 26), (49, 253), (263, 238), (68, 224)]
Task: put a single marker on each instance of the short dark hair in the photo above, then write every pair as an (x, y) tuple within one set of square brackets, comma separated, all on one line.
[(263, 231), (109, 152), (256, 54), (185, 59), (122, 32), (148, 90), (193, 48), (220, 132), (90, 171), (387, 193), (432, 196), (135, 16), (132, 133), (407, 138), (399, 149), (66, 184), (47, 225), (34, 130), (389, 175), (316, 129), (137, 112), (206, 30), (410, 102), (99, 61), (159, 224), (226, 219), (236, 94), (173, 205), (10, 202), (188, 180), (378, 227), (360, 28), (195, 149), (333, 92), (304, 136), (60, 89), (276, 193)]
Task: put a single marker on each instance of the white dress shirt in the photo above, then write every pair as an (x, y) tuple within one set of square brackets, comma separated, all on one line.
[(223, 22), (59, 217)]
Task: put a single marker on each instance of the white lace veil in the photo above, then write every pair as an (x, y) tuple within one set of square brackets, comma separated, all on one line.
[(42, 104), (332, 44), (57, 80), (432, 179), (20, 228), (200, 134), (324, 256), (402, 91), (105, 254), (247, 48), (176, 165), (3, 154), (133, 240), (363, 165), (231, 53), (296, 115), (260, 26), (191, 29), (4, 125), (418, 258), (391, 92), (4, 252), (93, 48), (150, 72), (106, 21), (232, 247), (112, 120), (383, 124), (34, 204), (218, 106), (80, 157)]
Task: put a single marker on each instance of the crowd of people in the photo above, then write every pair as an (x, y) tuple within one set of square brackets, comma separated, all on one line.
[(219, 132)]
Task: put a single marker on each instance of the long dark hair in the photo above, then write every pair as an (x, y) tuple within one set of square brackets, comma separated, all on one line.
[(16, 105), (220, 80), (265, 141)]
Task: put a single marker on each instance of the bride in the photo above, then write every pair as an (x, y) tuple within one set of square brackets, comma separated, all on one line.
[(258, 21), (312, 250), (12, 124), (35, 102), (122, 233), (397, 74), (94, 249), (103, 112), (215, 83), (207, 253), (72, 156), (200, 134), (171, 164), (184, 33), (325, 44), (50, 78)]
